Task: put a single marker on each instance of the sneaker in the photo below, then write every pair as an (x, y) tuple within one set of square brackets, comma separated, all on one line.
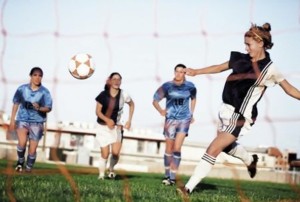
[(165, 180), (252, 167), (169, 182), (19, 167), (111, 175), (183, 191)]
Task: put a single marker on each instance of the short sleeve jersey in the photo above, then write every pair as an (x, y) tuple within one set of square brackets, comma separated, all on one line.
[(248, 81), (112, 107), (25, 96), (177, 99)]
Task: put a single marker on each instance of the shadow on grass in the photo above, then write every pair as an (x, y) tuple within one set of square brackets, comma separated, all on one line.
[(203, 186)]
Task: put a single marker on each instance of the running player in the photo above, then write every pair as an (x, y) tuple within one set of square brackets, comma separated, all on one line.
[(31, 103), (251, 74), (109, 108)]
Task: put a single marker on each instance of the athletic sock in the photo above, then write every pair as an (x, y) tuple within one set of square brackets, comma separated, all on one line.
[(21, 153), (30, 161), (113, 161), (102, 166), (238, 151), (175, 164), (167, 162), (202, 169)]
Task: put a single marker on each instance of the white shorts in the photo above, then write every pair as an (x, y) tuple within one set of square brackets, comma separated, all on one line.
[(232, 122), (106, 136)]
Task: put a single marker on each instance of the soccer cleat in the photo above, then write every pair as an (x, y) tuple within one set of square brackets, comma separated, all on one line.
[(19, 167), (111, 175), (183, 191), (252, 167), (169, 182), (165, 180)]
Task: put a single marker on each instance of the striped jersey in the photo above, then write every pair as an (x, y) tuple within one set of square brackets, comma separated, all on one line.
[(177, 99), (112, 107), (247, 83)]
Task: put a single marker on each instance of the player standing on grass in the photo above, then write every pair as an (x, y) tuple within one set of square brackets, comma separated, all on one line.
[(251, 74), (109, 108), (31, 103), (178, 116)]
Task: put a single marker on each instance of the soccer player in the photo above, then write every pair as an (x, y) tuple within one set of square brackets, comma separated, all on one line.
[(109, 108), (251, 75), (31, 103), (180, 105)]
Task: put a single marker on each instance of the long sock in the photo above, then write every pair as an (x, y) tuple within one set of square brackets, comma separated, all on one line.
[(102, 166), (21, 153), (238, 151), (167, 162), (202, 169), (30, 161), (113, 161), (175, 164)]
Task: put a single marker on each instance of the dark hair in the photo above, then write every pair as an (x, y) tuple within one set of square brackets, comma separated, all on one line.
[(106, 86), (179, 65), (261, 33), (34, 69)]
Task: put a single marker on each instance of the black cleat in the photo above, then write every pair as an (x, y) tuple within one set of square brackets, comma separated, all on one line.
[(19, 167), (252, 167), (169, 182), (112, 175), (165, 180)]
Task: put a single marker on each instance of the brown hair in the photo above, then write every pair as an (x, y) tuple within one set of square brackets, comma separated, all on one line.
[(106, 86), (261, 33)]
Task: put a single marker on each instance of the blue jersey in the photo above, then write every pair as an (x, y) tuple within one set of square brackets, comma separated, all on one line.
[(177, 99), (24, 96)]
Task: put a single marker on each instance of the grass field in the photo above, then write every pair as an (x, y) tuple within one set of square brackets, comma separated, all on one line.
[(55, 183)]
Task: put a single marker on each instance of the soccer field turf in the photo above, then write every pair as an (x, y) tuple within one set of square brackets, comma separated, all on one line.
[(50, 182)]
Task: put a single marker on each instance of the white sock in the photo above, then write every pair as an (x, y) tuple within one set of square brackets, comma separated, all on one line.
[(102, 166), (202, 169), (240, 152)]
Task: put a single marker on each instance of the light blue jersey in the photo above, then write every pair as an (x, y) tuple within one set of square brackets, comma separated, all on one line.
[(25, 97), (177, 99)]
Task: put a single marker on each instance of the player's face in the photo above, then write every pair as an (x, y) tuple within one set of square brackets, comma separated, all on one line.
[(179, 74), (36, 78), (254, 48), (115, 81)]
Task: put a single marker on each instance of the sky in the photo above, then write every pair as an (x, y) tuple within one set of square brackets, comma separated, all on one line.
[(144, 40)]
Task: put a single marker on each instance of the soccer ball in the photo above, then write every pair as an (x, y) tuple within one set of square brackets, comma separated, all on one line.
[(81, 66)]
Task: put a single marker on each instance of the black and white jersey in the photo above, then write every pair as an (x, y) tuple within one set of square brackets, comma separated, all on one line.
[(112, 107), (247, 83)]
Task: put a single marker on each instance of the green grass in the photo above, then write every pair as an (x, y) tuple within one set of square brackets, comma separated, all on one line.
[(54, 183)]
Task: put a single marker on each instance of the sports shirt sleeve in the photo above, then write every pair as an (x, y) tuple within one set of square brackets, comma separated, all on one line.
[(274, 77), (160, 93), (126, 97)]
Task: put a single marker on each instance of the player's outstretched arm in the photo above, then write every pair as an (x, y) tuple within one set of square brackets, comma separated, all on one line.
[(290, 89), (207, 70)]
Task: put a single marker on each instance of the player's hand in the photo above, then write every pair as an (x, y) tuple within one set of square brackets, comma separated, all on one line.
[(192, 120), (190, 72), (36, 106), (110, 124), (127, 125), (12, 125)]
